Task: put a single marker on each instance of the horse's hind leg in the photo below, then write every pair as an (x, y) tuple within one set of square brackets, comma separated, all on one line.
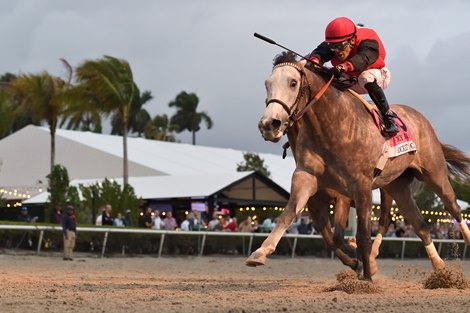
[(400, 191), (440, 184), (386, 202)]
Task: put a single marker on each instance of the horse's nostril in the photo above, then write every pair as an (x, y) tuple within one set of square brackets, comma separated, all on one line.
[(276, 124)]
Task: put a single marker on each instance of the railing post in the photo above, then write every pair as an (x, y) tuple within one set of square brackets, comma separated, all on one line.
[(105, 241), (250, 243), (403, 250), (203, 243), (294, 246), (160, 249), (464, 251), (41, 236), (439, 248)]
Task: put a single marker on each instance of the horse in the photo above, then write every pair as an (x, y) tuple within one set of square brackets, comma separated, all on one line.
[(338, 147)]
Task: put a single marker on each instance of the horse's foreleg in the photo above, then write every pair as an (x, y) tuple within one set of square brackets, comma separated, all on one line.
[(303, 187), (363, 201)]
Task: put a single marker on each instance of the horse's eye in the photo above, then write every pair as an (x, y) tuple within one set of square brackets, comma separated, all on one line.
[(293, 83)]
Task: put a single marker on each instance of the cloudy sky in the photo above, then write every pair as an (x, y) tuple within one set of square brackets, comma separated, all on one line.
[(207, 47)]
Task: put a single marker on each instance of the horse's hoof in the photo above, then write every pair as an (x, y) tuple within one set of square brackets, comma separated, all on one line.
[(358, 268), (438, 265), (256, 259)]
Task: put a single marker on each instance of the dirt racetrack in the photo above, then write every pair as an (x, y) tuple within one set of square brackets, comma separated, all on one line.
[(215, 284)]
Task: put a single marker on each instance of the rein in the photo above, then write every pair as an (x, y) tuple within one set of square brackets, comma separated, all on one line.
[(297, 115)]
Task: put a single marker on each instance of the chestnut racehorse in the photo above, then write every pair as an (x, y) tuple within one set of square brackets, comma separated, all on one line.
[(338, 147)]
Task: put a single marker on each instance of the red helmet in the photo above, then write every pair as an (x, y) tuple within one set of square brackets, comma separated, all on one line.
[(340, 29)]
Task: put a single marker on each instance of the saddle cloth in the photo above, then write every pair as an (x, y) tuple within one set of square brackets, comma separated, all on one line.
[(394, 146), (400, 143)]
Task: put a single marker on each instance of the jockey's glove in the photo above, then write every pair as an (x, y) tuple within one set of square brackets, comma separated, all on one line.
[(336, 71), (339, 69)]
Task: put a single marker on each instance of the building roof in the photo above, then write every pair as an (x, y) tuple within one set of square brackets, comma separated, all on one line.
[(237, 185)]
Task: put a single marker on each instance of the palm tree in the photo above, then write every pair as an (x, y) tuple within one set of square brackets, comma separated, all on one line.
[(11, 119), (159, 128), (186, 117), (82, 111), (43, 97), (138, 117), (110, 82), (6, 113)]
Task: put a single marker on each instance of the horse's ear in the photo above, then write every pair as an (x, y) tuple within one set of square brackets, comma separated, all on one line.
[(302, 62)]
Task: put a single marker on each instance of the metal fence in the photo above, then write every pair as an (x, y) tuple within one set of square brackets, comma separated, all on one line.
[(203, 235)]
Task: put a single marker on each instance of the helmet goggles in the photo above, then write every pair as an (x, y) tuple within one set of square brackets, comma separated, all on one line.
[(338, 46)]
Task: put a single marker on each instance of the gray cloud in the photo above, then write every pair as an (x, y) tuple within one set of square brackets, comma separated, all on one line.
[(207, 47)]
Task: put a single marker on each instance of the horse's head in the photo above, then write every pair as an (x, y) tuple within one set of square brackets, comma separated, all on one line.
[(285, 88)]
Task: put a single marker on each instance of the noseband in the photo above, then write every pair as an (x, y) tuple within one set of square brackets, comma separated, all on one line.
[(304, 87)]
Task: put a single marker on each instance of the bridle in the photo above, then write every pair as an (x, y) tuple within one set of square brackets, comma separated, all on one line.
[(296, 114)]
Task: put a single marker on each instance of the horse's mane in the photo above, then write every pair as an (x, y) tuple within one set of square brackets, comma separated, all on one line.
[(289, 57), (285, 57)]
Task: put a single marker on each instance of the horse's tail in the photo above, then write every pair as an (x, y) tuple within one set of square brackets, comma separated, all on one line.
[(458, 163)]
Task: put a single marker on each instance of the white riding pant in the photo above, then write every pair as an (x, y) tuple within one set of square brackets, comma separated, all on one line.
[(382, 76)]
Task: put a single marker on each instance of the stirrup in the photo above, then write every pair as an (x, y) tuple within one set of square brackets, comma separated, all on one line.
[(390, 128)]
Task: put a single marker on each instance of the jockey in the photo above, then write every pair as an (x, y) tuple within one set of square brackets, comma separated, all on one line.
[(359, 52)]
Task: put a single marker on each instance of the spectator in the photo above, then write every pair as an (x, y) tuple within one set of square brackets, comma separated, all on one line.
[(399, 229), (391, 231), (304, 228), (374, 230), (409, 231), (69, 228), (169, 223), (232, 225), (128, 218), (107, 218), (118, 221), (293, 229), (156, 220), (198, 222), (275, 221), (147, 219), (267, 225), (56, 215), (187, 223), (224, 220), (99, 218), (25, 217), (246, 226), (214, 224), (255, 226)]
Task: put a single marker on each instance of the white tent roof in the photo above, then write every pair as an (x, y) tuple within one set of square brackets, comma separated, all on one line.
[(25, 157)]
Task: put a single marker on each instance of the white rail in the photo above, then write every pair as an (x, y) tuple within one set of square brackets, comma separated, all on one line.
[(204, 234)]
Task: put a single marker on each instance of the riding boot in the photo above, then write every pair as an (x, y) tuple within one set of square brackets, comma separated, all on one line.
[(378, 96)]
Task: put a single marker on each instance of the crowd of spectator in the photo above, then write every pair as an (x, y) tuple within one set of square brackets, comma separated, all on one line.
[(223, 221)]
